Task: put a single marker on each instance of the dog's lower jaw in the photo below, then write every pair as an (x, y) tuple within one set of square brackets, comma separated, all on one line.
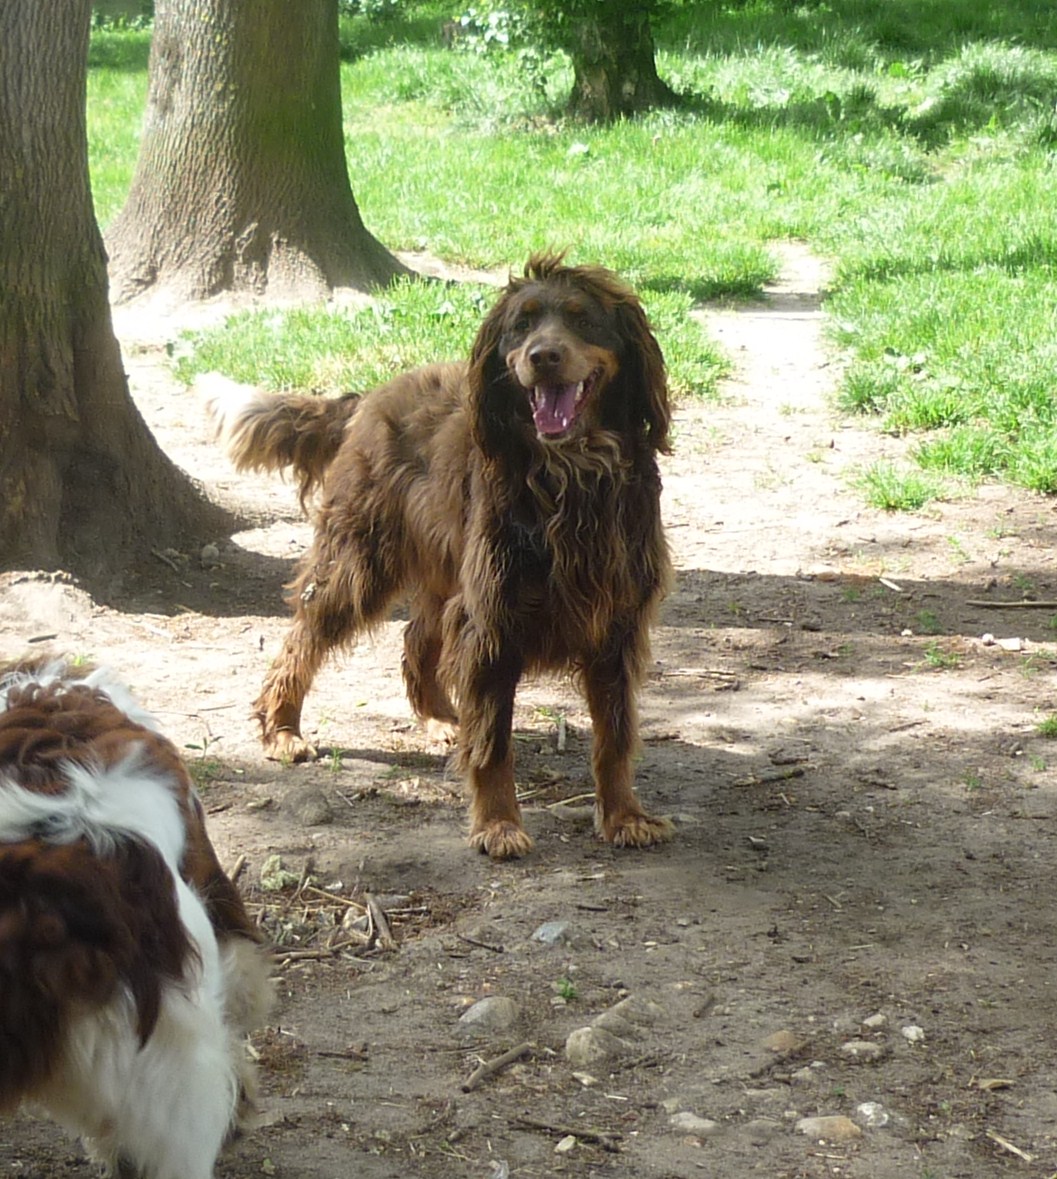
[(502, 839)]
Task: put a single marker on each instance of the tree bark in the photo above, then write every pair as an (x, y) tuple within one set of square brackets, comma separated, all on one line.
[(83, 486), (614, 65), (241, 182)]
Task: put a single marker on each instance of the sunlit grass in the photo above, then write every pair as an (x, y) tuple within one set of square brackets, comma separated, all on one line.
[(911, 145)]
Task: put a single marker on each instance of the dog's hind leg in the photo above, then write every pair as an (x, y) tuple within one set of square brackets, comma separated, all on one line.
[(334, 601), (423, 643)]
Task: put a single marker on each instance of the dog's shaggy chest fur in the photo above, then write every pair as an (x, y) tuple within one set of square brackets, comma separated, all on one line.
[(515, 500)]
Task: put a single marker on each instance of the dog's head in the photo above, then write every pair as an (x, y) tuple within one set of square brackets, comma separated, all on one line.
[(567, 350)]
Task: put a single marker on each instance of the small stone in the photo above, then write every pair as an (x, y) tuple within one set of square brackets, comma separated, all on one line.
[(589, 1046), (494, 1014), (392, 900), (872, 1114), (829, 1129), (862, 1051), (913, 1034), (630, 1017), (762, 1130), (1011, 644), (566, 1144), (313, 809), (690, 1123), (209, 556), (356, 921), (874, 1023), (550, 933), (783, 1042)]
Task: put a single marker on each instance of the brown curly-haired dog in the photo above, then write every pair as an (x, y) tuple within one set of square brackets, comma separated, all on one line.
[(515, 499)]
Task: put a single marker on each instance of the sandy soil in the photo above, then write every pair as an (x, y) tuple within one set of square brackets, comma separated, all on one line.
[(856, 919)]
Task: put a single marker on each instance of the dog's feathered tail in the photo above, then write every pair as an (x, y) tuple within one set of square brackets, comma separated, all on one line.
[(273, 432)]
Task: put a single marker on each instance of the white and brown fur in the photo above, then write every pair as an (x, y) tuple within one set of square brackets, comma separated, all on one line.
[(515, 499), (130, 972)]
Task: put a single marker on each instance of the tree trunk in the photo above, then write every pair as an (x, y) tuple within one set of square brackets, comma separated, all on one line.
[(241, 182), (614, 66), (83, 486)]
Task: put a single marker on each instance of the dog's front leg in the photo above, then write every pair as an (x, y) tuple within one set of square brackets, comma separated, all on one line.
[(486, 710), (610, 682)]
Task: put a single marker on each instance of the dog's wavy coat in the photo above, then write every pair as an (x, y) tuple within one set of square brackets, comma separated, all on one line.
[(516, 500), (130, 972)]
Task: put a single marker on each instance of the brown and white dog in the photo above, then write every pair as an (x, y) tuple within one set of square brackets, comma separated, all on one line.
[(130, 972)]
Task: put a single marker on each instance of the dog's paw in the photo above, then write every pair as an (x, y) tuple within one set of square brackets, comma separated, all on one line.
[(287, 747), (636, 830), (502, 840), (443, 734)]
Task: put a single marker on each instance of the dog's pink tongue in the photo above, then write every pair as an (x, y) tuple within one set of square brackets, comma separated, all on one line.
[(554, 407)]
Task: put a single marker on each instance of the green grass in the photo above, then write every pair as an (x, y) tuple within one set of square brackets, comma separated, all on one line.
[(913, 144), (897, 489)]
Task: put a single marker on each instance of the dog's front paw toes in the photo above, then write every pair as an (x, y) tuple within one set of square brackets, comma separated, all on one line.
[(639, 830), (441, 733), (502, 840), (287, 746)]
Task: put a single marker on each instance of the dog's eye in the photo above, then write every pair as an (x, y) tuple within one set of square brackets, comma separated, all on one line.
[(522, 323)]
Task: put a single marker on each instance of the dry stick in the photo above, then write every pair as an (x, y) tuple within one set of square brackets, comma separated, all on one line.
[(488, 1068), (605, 1139), (379, 922), (472, 941), (303, 955), (235, 871), (1012, 605), (165, 560), (317, 955), (1005, 1144), (330, 896)]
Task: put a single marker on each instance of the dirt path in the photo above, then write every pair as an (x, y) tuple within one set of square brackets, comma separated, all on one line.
[(855, 921)]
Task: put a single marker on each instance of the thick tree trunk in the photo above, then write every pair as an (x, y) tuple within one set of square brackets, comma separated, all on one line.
[(83, 486), (241, 182), (614, 66)]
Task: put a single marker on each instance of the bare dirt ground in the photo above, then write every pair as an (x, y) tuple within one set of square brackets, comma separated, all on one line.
[(856, 919)]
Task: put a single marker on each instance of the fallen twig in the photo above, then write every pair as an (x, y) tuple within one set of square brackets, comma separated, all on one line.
[(165, 560), (1021, 605), (488, 1068), (380, 931), (1005, 1144), (607, 1140), (472, 941), (236, 869), (551, 806), (329, 896), (303, 955)]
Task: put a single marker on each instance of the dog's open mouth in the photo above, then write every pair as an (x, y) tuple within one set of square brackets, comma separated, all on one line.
[(555, 407)]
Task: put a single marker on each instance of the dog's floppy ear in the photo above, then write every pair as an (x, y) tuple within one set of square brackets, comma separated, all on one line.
[(647, 376), (489, 401)]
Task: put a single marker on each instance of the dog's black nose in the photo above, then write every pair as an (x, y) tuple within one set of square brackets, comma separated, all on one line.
[(545, 356)]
